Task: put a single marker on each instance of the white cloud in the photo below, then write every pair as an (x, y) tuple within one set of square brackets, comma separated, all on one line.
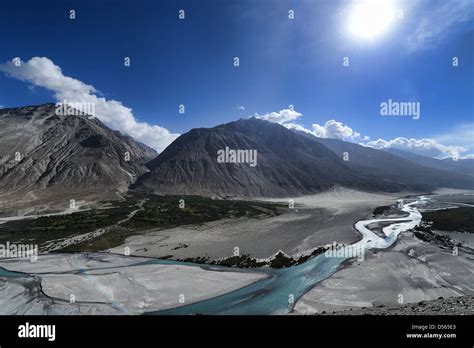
[(298, 128), (331, 129), (425, 147), (337, 130), (42, 72), (436, 20), (240, 107), (281, 117), (457, 142)]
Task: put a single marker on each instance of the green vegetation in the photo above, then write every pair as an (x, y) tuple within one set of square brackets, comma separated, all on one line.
[(244, 261), (381, 210), (456, 219), (39, 230), (315, 252), (428, 236), (280, 260), (165, 211), (121, 219), (114, 237)]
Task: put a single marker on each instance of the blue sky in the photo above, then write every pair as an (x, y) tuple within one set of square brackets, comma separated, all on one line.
[(282, 61)]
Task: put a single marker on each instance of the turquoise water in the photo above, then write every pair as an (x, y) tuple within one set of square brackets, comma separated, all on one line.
[(275, 294), (267, 296), (271, 295), (10, 274)]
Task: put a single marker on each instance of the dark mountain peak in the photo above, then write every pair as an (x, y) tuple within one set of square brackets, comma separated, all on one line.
[(252, 125), (287, 164)]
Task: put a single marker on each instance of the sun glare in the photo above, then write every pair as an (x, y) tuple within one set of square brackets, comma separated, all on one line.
[(371, 18)]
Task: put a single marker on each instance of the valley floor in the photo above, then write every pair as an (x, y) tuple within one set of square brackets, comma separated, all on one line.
[(414, 269), (411, 271), (315, 220)]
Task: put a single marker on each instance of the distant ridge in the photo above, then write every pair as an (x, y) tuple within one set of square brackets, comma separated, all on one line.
[(460, 166), (405, 168)]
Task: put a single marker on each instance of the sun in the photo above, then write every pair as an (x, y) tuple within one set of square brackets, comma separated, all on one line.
[(369, 19)]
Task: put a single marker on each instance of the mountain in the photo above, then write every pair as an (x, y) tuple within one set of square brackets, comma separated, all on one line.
[(287, 164), (394, 167), (462, 166), (45, 157), (63, 157)]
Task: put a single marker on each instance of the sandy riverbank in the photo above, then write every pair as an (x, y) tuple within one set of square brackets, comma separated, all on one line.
[(411, 271), (315, 220), (110, 284)]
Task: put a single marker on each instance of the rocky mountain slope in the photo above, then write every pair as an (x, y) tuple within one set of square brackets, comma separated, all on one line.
[(44, 156), (422, 174), (462, 305), (287, 164), (48, 157), (461, 166)]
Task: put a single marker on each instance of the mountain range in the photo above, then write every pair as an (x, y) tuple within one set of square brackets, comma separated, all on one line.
[(401, 166), (46, 156), (289, 163), (462, 166)]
